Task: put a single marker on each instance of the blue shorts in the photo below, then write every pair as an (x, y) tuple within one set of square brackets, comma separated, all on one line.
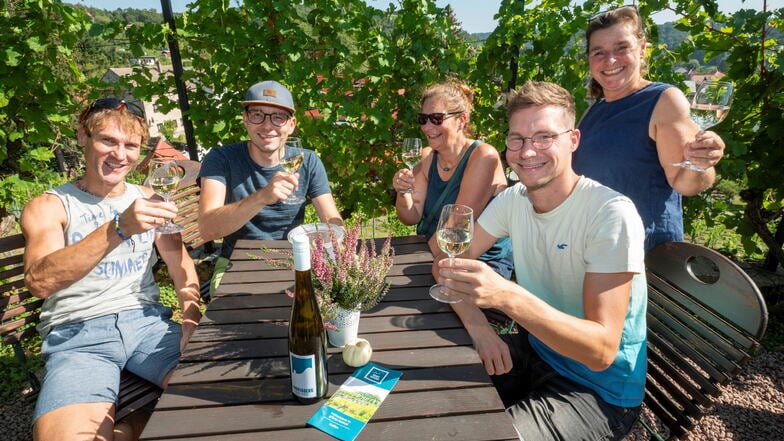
[(84, 359)]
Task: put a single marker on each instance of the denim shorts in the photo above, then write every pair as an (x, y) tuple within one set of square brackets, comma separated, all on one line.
[(84, 359)]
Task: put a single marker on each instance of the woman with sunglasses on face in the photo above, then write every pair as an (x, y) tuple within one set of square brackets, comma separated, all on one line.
[(637, 129), (455, 169)]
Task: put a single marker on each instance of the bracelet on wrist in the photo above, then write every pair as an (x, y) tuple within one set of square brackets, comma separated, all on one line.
[(120, 233)]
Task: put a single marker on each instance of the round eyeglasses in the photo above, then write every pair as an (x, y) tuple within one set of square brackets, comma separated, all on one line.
[(539, 142), (256, 116)]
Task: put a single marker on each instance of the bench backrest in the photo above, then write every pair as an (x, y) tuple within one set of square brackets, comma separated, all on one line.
[(19, 310), (187, 200), (705, 319)]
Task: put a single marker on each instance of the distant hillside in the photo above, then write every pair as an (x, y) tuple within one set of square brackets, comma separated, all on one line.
[(481, 36)]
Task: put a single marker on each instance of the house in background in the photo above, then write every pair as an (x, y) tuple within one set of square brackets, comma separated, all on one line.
[(154, 117), (693, 78)]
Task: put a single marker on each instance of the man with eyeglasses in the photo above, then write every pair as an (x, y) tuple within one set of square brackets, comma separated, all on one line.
[(89, 255), (243, 186), (575, 370)]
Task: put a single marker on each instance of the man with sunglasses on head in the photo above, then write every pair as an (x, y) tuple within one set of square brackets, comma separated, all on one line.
[(575, 367), (243, 184), (89, 255)]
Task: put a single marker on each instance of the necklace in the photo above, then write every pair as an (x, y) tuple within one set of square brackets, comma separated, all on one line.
[(459, 156), (81, 185)]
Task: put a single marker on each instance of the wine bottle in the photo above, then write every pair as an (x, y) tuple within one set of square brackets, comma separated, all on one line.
[(307, 337)]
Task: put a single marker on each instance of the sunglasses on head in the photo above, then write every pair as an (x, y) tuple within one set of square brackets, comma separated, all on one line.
[(435, 118), (110, 104)]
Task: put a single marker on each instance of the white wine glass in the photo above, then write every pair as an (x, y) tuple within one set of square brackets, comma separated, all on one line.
[(412, 154), (164, 177), (710, 104), (290, 165), (454, 233)]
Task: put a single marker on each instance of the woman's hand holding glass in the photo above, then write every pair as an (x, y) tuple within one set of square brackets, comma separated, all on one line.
[(411, 155), (710, 104)]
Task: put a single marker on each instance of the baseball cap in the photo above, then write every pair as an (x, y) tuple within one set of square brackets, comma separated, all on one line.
[(269, 93)]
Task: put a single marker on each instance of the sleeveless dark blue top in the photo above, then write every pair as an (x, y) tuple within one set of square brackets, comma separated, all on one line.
[(615, 149), (500, 251)]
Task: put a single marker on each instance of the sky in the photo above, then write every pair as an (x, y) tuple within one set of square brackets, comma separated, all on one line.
[(475, 15)]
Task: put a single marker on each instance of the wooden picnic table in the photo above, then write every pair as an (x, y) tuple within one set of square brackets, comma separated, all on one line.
[(233, 382)]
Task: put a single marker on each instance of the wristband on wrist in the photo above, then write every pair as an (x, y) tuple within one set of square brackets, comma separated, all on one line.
[(119, 231)]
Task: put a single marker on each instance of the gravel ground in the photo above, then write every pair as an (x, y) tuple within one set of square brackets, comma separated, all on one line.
[(751, 408)]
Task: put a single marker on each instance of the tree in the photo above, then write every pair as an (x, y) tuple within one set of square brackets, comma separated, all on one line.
[(40, 87)]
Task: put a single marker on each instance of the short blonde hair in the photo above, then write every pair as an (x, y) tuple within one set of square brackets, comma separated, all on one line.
[(94, 118), (541, 93)]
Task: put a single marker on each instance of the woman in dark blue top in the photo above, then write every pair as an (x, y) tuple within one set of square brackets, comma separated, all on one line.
[(637, 129)]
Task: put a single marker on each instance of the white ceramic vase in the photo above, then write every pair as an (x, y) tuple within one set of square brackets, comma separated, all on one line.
[(347, 324)]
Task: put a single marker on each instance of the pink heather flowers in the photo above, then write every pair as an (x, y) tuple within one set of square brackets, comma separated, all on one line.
[(356, 278)]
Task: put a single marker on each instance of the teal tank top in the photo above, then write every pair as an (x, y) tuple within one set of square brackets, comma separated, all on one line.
[(500, 251)]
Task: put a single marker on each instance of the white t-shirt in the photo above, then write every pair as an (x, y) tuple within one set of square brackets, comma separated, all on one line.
[(594, 230)]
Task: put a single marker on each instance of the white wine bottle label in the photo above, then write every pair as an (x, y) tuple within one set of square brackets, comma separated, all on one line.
[(303, 375)]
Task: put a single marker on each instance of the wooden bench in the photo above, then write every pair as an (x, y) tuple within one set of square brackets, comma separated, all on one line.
[(705, 320)]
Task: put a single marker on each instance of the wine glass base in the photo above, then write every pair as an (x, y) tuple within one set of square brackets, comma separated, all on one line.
[(169, 228), (441, 296), (688, 165), (293, 200)]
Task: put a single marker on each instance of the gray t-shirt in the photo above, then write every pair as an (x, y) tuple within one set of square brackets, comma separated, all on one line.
[(122, 280)]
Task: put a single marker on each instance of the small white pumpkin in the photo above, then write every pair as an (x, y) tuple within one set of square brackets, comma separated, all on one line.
[(357, 353)]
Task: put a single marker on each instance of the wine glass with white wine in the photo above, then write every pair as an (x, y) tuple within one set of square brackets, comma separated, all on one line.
[(164, 177), (412, 154), (709, 106), (290, 165), (454, 233)]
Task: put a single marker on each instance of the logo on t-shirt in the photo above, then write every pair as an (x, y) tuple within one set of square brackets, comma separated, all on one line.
[(562, 246)]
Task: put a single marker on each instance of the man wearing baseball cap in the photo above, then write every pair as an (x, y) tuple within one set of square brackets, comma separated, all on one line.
[(243, 185)]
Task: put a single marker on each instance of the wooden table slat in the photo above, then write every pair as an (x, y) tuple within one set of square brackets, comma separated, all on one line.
[(472, 428), (279, 329), (412, 406), (249, 391), (234, 369)]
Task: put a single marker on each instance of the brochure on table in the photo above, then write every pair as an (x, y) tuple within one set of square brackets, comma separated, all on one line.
[(347, 411)]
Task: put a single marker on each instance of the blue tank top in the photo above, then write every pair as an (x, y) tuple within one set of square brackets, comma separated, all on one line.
[(615, 150), (435, 186)]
